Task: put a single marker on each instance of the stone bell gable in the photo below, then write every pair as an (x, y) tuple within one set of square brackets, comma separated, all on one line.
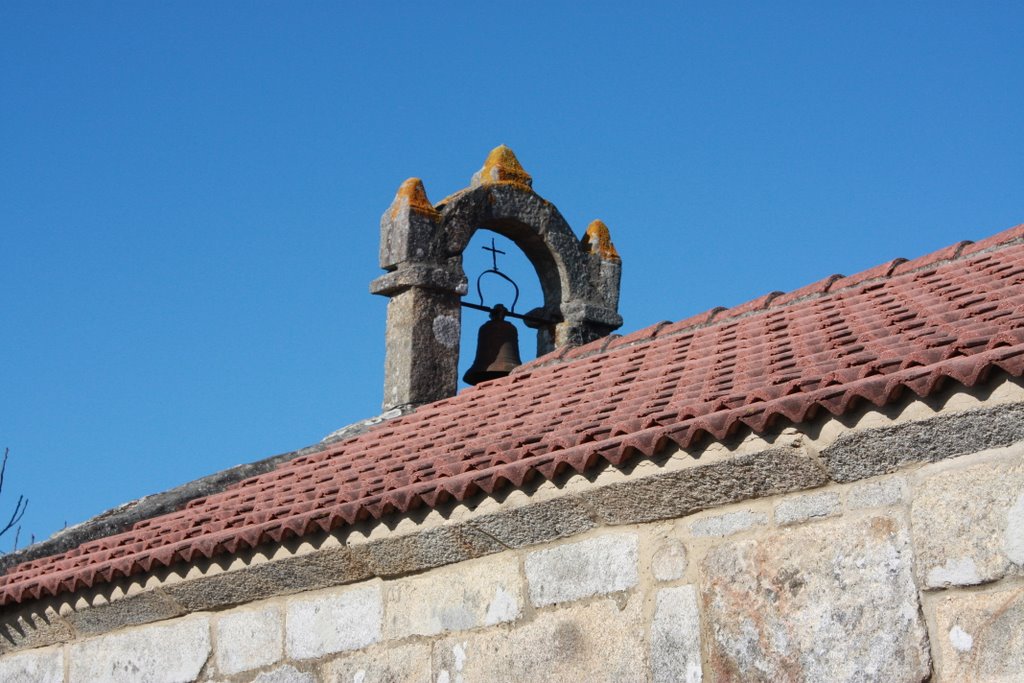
[(421, 248), (824, 484)]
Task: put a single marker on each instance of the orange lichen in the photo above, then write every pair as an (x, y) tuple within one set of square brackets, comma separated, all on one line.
[(412, 195), (502, 167), (598, 240)]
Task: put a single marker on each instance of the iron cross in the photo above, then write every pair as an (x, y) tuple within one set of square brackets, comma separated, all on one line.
[(494, 253)]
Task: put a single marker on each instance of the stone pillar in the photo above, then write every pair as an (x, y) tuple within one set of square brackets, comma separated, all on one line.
[(423, 327), (597, 316), (422, 360), (605, 266)]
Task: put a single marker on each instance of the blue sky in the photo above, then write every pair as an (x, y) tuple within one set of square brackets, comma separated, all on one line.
[(190, 192)]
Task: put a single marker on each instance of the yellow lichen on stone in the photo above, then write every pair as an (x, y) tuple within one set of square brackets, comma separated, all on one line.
[(502, 167), (598, 240), (413, 195)]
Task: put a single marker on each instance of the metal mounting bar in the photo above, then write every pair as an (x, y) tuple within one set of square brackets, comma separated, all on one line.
[(510, 314)]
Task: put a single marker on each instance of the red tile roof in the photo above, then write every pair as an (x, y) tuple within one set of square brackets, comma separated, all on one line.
[(957, 313)]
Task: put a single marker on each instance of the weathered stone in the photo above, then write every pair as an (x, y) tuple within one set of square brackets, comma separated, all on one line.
[(502, 166), (833, 601), (161, 653), (285, 674), (728, 524), (675, 636), (537, 522), (335, 621), (605, 264), (320, 569), (669, 561), (890, 490), (964, 532), (248, 639), (1013, 544), (408, 227), (429, 276), (426, 549), (357, 428), (226, 589), (981, 636), (809, 506), (422, 357), (866, 453), (677, 494), (593, 643), (35, 666), (134, 610), (37, 625), (382, 664), (599, 565), (456, 598)]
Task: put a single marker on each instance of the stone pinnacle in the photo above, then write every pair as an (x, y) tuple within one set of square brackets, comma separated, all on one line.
[(502, 167), (412, 196), (598, 240)]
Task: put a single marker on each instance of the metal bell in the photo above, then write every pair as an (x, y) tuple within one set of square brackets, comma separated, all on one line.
[(497, 349)]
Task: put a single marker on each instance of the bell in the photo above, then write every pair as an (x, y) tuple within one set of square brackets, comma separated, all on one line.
[(497, 349)]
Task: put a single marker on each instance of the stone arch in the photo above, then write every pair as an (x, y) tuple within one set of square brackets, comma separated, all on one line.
[(536, 227)]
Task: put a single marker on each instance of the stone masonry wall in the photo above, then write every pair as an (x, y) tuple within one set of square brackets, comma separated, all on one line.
[(901, 577), (884, 547)]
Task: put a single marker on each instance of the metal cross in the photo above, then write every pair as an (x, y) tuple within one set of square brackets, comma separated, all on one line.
[(494, 253)]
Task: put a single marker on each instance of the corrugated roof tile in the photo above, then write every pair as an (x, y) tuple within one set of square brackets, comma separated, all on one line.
[(957, 313)]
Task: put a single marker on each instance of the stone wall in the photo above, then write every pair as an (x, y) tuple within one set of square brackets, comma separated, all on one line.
[(912, 575)]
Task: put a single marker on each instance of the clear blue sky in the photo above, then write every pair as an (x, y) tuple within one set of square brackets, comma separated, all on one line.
[(190, 192)]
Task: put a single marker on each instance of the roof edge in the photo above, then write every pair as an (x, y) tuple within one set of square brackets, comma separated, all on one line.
[(121, 518)]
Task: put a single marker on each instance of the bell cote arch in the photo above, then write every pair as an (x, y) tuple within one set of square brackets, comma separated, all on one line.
[(421, 248)]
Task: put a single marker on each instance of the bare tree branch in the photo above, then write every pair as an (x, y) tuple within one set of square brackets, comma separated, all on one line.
[(3, 468), (19, 507), (19, 512)]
